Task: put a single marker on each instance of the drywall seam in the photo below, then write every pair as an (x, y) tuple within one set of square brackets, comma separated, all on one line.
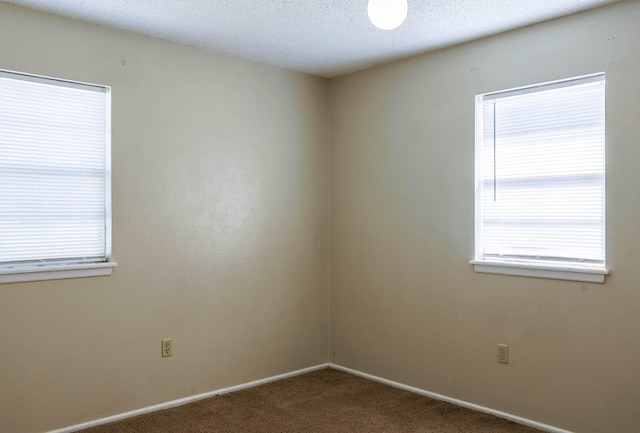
[(186, 400), (507, 416)]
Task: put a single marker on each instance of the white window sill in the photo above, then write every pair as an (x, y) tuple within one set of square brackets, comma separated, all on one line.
[(55, 272), (571, 273)]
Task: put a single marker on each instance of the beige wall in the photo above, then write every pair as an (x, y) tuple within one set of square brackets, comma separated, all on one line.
[(405, 303), (220, 231)]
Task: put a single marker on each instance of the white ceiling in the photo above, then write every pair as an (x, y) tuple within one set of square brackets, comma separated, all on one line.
[(321, 37)]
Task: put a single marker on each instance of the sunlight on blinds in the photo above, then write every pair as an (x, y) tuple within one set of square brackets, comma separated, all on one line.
[(543, 173), (53, 170)]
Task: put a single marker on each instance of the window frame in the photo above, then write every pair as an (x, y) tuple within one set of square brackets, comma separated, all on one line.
[(530, 267), (65, 269)]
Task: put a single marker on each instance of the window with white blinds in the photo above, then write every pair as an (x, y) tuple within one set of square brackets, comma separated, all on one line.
[(540, 181), (55, 172)]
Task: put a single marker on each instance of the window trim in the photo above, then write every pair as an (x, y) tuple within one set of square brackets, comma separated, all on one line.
[(535, 270), (56, 272), (512, 267), (17, 273)]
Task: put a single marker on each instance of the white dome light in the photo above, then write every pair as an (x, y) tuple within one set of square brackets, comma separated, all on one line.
[(387, 14)]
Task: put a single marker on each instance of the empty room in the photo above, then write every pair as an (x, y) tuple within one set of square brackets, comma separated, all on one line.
[(203, 202)]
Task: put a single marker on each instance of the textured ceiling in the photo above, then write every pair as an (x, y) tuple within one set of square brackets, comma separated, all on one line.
[(321, 37)]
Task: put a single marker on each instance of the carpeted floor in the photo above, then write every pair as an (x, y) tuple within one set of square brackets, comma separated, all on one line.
[(324, 401)]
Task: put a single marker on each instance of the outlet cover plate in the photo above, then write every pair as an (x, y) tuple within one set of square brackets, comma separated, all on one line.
[(503, 353), (167, 347)]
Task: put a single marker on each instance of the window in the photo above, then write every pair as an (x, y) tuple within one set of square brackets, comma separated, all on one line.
[(540, 180), (55, 178)]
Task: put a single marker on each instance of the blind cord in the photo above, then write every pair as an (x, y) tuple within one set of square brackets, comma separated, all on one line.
[(495, 139)]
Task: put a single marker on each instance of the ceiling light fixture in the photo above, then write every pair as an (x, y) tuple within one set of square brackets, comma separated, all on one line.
[(387, 14)]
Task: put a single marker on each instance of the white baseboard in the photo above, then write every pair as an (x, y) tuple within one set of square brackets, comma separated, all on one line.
[(186, 400), (507, 416), (191, 399)]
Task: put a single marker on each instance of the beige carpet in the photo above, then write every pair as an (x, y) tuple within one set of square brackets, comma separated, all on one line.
[(324, 401)]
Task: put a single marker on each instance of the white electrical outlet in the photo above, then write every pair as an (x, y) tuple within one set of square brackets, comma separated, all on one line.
[(167, 347), (503, 353)]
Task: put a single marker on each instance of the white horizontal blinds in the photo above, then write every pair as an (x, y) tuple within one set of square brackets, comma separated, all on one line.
[(53, 171), (544, 173)]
